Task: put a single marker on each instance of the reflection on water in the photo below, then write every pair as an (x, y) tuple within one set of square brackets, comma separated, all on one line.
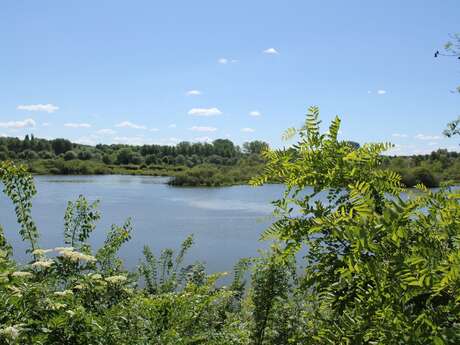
[(226, 222), (229, 205)]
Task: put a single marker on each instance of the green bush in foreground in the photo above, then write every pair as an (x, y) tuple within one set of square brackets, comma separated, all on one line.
[(378, 269)]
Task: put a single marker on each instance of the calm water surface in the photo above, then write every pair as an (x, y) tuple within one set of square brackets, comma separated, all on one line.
[(226, 222)]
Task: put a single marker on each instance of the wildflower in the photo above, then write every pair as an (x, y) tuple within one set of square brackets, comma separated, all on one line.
[(11, 332), (79, 287), (21, 274), (95, 276), (76, 256), (41, 252), (56, 306), (42, 263), (63, 293), (116, 279), (70, 312)]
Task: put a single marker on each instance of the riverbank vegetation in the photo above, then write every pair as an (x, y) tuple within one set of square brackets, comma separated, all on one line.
[(378, 270), (219, 163)]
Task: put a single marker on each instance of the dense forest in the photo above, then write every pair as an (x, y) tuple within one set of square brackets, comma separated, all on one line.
[(379, 269), (218, 163), (214, 164)]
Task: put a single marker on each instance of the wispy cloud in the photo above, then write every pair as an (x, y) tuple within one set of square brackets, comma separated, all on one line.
[(138, 140), (399, 135), (427, 137), (153, 129), (255, 113), (128, 124), (193, 93), (48, 108), (381, 92), (204, 112), (106, 131), (202, 139), (247, 130), (90, 140), (203, 129), (224, 61), (46, 124), (77, 125), (271, 51), (172, 125), (27, 123)]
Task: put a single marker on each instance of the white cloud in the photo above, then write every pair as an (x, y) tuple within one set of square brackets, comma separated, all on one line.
[(203, 139), (427, 137), (255, 113), (369, 92), (224, 61), (46, 124), (203, 129), (92, 140), (49, 108), (247, 130), (271, 51), (381, 92), (153, 129), (129, 140), (77, 125), (204, 112), (3, 135), (399, 135), (127, 124), (27, 123), (172, 125), (106, 131), (193, 93)]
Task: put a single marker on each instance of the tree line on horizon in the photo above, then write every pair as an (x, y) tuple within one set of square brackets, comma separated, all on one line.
[(219, 151)]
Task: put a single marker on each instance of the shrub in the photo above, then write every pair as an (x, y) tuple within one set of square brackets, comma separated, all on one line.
[(379, 269), (70, 155)]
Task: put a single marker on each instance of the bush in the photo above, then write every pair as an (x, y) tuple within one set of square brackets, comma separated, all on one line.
[(70, 155)]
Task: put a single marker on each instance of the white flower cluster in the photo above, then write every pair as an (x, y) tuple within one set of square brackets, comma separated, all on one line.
[(21, 274), (11, 332), (43, 264), (41, 252), (70, 254), (63, 293), (116, 279)]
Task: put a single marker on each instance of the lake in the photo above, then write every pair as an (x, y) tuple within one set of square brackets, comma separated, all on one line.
[(226, 222)]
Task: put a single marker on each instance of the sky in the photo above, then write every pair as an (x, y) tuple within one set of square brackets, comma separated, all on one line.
[(144, 72)]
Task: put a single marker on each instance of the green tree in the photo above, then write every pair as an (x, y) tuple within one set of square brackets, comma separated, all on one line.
[(254, 147), (61, 146), (125, 156), (70, 155)]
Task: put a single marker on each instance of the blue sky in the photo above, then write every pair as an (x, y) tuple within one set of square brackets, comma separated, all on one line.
[(161, 72)]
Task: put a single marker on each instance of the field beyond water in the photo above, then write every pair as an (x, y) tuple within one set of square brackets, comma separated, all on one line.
[(221, 163)]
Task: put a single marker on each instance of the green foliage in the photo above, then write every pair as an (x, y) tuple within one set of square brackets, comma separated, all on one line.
[(75, 297), (365, 266), (166, 273), (18, 186), (79, 221), (381, 270)]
